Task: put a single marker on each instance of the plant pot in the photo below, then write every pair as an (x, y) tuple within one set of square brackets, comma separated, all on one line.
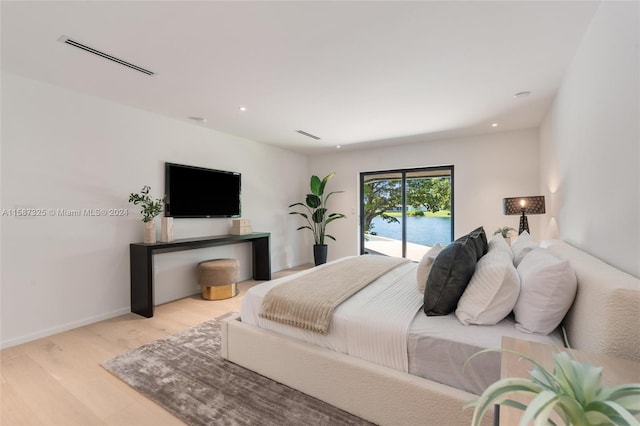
[(149, 232), (320, 253)]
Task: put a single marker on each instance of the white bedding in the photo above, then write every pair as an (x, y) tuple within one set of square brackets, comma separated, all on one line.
[(439, 346), (384, 323), (373, 324)]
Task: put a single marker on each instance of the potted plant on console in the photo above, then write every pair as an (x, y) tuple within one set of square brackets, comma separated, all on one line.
[(150, 209), (317, 216)]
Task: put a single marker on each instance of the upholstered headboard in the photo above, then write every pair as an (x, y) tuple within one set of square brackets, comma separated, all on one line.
[(605, 316)]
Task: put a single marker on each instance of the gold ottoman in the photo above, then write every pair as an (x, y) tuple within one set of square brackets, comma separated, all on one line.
[(218, 278)]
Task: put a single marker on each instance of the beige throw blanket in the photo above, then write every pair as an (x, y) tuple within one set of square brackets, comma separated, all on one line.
[(308, 301)]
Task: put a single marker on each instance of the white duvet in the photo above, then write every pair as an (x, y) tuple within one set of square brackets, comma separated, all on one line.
[(373, 324)]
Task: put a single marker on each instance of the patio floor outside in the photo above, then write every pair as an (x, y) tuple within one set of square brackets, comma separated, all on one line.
[(391, 247)]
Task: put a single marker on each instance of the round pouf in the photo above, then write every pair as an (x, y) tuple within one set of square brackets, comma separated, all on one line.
[(218, 278)]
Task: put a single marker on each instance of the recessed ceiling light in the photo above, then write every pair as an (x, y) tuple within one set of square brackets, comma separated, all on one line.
[(242, 108), (338, 146), (198, 119), (494, 125), (521, 94)]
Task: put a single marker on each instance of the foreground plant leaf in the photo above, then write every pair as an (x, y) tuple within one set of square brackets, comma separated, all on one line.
[(573, 391)]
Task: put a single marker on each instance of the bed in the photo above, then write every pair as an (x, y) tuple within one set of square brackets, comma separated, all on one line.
[(603, 318)]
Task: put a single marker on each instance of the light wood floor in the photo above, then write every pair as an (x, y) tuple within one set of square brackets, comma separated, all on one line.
[(58, 380)]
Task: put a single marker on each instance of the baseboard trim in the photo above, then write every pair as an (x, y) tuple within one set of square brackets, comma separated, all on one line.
[(62, 328)]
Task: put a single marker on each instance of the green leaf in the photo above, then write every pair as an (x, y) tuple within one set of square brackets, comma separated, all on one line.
[(313, 201), (324, 183), (540, 408), (597, 418), (150, 207), (590, 383), (618, 415), (330, 194), (333, 217), (318, 215), (497, 392), (515, 404), (543, 378), (542, 418), (301, 214), (316, 185), (631, 403), (571, 411), (622, 391), (580, 381)]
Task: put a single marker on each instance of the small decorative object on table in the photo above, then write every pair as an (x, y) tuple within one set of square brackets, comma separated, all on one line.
[(506, 232), (241, 227), (166, 229), (150, 209)]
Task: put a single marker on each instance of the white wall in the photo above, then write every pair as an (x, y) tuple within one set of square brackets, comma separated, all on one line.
[(590, 155), (487, 168), (65, 150)]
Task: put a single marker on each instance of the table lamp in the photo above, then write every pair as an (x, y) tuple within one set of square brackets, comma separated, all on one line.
[(524, 206)]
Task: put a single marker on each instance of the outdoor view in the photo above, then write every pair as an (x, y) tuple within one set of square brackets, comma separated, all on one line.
[(406, 212)]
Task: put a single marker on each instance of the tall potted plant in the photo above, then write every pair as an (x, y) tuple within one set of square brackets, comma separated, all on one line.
[(150, 209), (317, 217)]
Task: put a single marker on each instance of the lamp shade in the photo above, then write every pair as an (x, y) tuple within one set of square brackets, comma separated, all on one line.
[(526, 205)]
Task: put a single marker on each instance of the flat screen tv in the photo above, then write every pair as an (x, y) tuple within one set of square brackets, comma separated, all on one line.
[(200, 192)]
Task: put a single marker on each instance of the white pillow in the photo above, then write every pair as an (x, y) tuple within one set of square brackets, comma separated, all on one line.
[(492, 291), (548, 287), (424, 267), (497, 242), (523, 245)]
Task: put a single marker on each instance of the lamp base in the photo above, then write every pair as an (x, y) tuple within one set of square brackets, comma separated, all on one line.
[(524, 224)]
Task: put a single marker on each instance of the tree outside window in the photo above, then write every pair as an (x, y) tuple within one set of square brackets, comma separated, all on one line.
[(393, 203)]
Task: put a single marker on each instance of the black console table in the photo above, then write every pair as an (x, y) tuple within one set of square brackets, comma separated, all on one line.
[(141, 258)]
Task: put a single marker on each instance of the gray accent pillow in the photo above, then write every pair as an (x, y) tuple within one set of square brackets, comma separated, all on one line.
[(450, 274), (479, 238)]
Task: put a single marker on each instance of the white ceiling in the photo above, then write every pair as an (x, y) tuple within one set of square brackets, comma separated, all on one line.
[(349, 72)]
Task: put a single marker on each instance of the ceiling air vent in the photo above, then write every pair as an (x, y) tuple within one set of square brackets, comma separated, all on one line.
[(70, 42), (302, 132)]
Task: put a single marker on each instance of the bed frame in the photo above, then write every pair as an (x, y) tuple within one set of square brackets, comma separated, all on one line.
[(603, 319)]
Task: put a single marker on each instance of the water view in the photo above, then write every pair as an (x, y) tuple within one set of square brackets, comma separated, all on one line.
[(422, 230)]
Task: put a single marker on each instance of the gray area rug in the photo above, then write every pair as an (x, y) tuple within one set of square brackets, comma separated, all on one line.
[(185, 374)]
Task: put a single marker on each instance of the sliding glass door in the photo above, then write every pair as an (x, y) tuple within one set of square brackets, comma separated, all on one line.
[(405, 212)]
